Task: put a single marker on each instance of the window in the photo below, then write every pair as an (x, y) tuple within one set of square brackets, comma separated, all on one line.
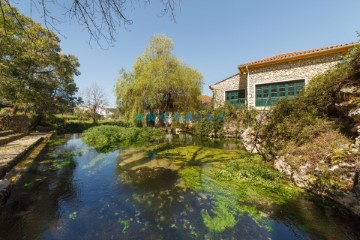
[(269, 94), (235, 97)]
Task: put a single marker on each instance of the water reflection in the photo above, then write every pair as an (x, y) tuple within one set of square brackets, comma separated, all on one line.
[(33, 207), (174, 194)]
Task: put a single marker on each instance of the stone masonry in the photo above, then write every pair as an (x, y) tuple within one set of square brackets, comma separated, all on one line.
[(289, 71), (281, 72), (231, 83)]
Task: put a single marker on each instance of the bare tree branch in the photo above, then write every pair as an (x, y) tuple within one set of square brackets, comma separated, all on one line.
[(101, 18)]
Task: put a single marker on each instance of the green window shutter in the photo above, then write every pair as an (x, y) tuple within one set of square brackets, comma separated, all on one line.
[(269, 94), (291, 90), (282, 90), (235, 97)]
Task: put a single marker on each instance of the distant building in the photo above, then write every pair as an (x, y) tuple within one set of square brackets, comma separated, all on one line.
[(262, 83), (104, 112)]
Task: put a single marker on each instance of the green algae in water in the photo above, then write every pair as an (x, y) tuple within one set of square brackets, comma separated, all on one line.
[(33, 184), (73, 215), (202, 202), (61, 164), (221, 220), (196, 154), (191, 177), (240, 183), (95, 161), (124, 223)]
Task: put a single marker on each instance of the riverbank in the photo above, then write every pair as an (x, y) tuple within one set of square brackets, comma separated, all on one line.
[(13, 152), (183, 188)]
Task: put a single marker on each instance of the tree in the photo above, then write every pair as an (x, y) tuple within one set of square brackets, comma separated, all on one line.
[(95, 101), (159, 82), (101, 18), (34, 75)]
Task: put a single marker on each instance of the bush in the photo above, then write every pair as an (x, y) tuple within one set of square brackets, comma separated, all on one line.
[(301, 119), (5, 111), (107, 138), (17, 123)]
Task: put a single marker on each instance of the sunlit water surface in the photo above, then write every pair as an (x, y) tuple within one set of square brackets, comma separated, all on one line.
[(91, 195)]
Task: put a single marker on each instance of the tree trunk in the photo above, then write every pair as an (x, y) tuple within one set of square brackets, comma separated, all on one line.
[(36, 121), (94, 116)]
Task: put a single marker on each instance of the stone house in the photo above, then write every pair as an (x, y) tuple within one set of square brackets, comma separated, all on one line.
[(261, 83)]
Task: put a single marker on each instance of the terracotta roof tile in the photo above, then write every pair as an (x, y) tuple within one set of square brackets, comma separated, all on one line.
[(289, 56)]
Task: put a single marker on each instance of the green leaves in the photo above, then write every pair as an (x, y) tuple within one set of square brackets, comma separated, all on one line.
[(107, 138), (34, 74), (159, 82)]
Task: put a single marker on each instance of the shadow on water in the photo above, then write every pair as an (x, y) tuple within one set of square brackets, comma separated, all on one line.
[(33, 207), (190, 189)]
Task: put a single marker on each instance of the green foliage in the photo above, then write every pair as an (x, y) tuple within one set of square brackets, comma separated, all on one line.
[(67, 162), (221, 220), (303, 118), (33, 184), (192, 177), (159, 82), (70, 123), (108, 138), (73, 215), (35, 76), (240, 117), (17, 123), (239, 182), (206, 127), (198, 155), (244, 116), (125, 224)]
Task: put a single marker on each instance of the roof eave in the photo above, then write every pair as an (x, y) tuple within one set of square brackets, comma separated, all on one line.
[(242, 67)]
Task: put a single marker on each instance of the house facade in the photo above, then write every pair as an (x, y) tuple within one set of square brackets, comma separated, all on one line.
[(260, 84)]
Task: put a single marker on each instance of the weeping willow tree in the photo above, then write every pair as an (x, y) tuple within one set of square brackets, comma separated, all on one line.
[(159, 82)]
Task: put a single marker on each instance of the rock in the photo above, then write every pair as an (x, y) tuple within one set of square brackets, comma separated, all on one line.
[(355, 114), (348, 194), (350, 90), (281, 165)]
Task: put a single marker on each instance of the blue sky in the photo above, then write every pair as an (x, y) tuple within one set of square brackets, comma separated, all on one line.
[(212, 36)]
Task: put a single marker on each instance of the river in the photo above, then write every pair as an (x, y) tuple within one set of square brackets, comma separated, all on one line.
[(193, 190)]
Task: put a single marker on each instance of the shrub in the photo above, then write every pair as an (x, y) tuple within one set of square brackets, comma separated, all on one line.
[(107, 138), (302, 119), (5, 111), (17, 123)]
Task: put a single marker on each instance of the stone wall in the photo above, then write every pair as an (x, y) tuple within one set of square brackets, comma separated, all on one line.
[(294, 70), (231, 83)]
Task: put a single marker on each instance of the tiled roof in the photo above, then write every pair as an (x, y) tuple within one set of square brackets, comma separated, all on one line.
[(300, 54)]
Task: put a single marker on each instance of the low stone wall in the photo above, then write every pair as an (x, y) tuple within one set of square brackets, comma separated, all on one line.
[(304, 177), (30, 152), (17, 123)]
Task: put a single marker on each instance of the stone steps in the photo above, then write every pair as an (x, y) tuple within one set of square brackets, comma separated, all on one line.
[(12, 152), (11, 137), (6, 133)]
